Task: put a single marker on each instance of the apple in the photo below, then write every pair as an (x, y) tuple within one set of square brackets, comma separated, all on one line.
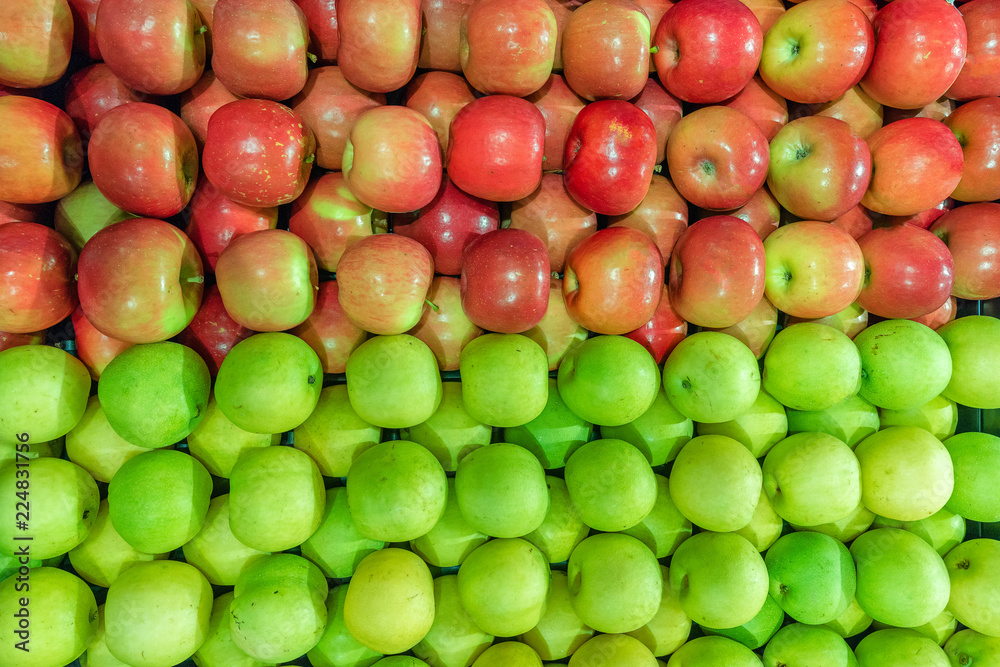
[(337, 644), (904, 364), (45, 155), (554, 434), (439, 46), (974, 496), (562, 528), (971, 567), (756, 330), (856, 108), (970, 232), (833, 374), (93, 91), (200, 101), (610, 484), (852, 622), (976, 124), (758, 429), (939, 109), (218, 647), (504, 379), (393, 381), (896, 647), (557, 333), (850, 421), (812, 576), (485, 484), (662, 107), (662, 215), (337, 546), (500, 654), (664, 528), (84, 212), (329, 218), (439, 95), (451, 539), (762, 211), (978, 77), (453, 637), (334, 435), (972, 341), (664, 330), (756, 632), (972, 647), (559, 105), (551, 214), (943, 530), (212, 332), (938, 416), (10, 212), (713, 650), (445, 327), (104, 555), (717, 462), (503, 585), (215, 550), (768, 109), (9, 340), (764, 528), (324, 30), (37, 277), (218, 443), (328, 330), (84, 27), (36, 51), (560, 632), (659, 433), (798, 643), (605, 50), (846, 529), (711, 377), (94, 446), (379, 42)]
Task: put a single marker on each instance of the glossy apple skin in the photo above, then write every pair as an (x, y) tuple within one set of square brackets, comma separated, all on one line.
[(663, 109), (557, 333), (940, 317), (324, 30), (855, 222), (495, 148), (214, 220), (766, 11), (716, 275), (505, 281), (379, 42), (439, 96), (663, 330), (916, 163), (445, 328), (328, 331), (329, 218), (165, 57), (662, 215), (200, 101), (613, 281), (924, 219), (20, 212), (43, 154), (507, 47), (980, 75), (762, 212), (559, 105), (206, 8), (562, 9), (213, 331), (9, 340), (140, 280), (330, 105), (696, 58), (143, 158), (448, 224), (439, 47), (764, 106), (85, 27), (259, 47), (605, 50), (856, 108), (851, 321), (37, 285), (972, 234), (757, 329), (939, 109), (609, 157), (268, 280), (91, 92), (250, 137), (36, 42), (392, 159), (717, 158), (920, 46), (909, 272), (551, 214), (976, 125), (93, 348)]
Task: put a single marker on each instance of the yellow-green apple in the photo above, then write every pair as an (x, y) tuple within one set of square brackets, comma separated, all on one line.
[(439, 46), (507, 46), (94, 445), (709, 460), (505, 280), (609, 157), (45, 390), (974, 342), (670, 627), (713, 650), (93, 91), (496, 148), (852, 622), (215, 550), (213, 220), (212, 332), (711, 377), (916, 163), (562, 528), (972, 647), (446, 225), (659, 433), (499, 654), (727, 39), (611, 484), (445, 327), (920, 47), (974, 457), (664, 330), (756, 632), (453, 638), (439, 95), (503, 585), (832, 376), (200, 101), (324, 30), (899, 647), (501, 490), (554, 434), (975, 586), (35, 50), (557, 333), (218, 647), (765, 527), (938, 416), (850, 421), (904, 364), (170, 56), (328, 331), (605, 50), (846, 529), (334, 435), (337, 645), (943, 530), (140, 280), (757, 329), (613, 280), (972, 234), (393, 381), (259, 47), (559, 105), (812, 576), (504, 379), (662, 108), (104, 555), (451, 539), (329, 218), (37, 277), (817, 50), (978, 77), (379, 42), (909, 272), (392, 160), (758, 429), (764, 106), (664, 528), (560, 632), (44, 154), (551, 214), (906, 473), (800, 644), (855, 108), (330, 105), (662, 215), (976, 124)]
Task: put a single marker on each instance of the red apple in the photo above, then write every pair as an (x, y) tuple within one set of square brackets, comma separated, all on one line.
[(980, 75), (20, 212), (439, 96), (214, 220), (561, 9), (213, 331), (976, 124), (764, 106), (757, 329), (144, 160), (93, 348), (559, 106), (43, 155), (609, 157), (924, 219), (505, 280), (37, 286), (324, 30), (85, 28), (200, 101), (940, 317), (663, 331), (36, 41), (551, 214), (662, 108), (605, 50), (662, 215), (557, 333), (613, 281), (856, 108), (972, 234), (328, 331), (766, 11), (140, 280), (716, 273), (654, 10), (939, 109), (763, 212), (9, 340), (379, 42), (855, 222), (439, 47), (250, 138), (329, 218), (206, 8), (92, 92), (444, 326)]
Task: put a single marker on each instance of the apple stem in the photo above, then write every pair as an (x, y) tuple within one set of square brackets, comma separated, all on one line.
[(195, 279), (653, 50), (657, 168), (203, 29), (311, 56), (433, 305), (310, 159)]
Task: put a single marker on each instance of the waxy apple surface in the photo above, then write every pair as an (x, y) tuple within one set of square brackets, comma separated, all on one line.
[(379, 42), (43, 153), (972, 234), (605, 50), (37, 285), (37, 41)]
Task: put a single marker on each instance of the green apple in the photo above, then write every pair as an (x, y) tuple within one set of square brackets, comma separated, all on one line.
[(798, 645), (711, 377), (97, 654), (608, 380), (899, 647), (218, 442), (96, 447), (501, 490), (219, 649), (968, 647), (269, 383), (49, 618), (454, 638), (812, 478), (158, 500), (974, 343), (553, 435), (906, 473), (756, 632), (720, 579), (758, 429), (974, 570), (400, 661), (850, 421), (338, 546), (338, 647), (54, 448), (562, 528), (84, 212), (765, 527), (504, 379), (812, 576), (939, 628), (44, 392), (157, 613), (811, 366), (450, 433), (670, 627), (276, 498), (904, 364), (612, 650), (334, 435), (664, 528), (844, 530), (154, 394), (611, 484), (902, 581), (938, 416), (852, 622), (975, 458), (713, 650), (943, 530), (215, 550), (503, 585), (659, 432), (715, 482), (559, 632), (104, 555), (451, 539), (396, 491), (508, 654)]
